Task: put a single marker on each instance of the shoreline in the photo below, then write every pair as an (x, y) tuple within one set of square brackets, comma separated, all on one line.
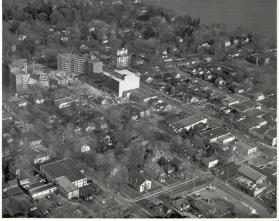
[(209, 14)]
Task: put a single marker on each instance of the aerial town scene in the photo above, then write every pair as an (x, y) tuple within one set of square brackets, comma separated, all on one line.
[(137, 109)]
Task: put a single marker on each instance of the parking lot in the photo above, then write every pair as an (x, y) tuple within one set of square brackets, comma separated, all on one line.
[(57, 206)]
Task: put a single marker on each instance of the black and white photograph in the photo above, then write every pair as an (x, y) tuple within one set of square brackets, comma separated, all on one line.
[(139, 109)]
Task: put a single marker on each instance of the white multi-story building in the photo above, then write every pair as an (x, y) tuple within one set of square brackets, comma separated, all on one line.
[(122, 58), (120, 81)]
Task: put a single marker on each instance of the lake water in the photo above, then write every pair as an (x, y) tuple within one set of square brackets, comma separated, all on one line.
[(256, 16)]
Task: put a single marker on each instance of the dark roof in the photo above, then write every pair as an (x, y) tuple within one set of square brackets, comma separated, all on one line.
[(66, 184), (215, 132), (77, 175), (188, 121), (251, 173), (240, 107), (136, 178), (41, 187), (65, 167)]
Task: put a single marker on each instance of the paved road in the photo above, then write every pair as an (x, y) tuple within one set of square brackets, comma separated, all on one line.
[(261, 210), (184, 187), (243, 197)]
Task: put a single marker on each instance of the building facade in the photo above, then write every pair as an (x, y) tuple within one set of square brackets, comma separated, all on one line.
[(122, 58), (119, 81), (77, 65), (19, 81)]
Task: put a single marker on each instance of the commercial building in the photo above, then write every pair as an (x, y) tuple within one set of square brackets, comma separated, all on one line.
[(67, 188), (188, 123), (226, 138), (251, 174), (119, 81), (39, 190), (140, 95), (66, 167), (19, 80), (246, 149), (249, 186), (214, 134)]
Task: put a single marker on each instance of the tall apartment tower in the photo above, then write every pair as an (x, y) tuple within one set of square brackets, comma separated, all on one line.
[(71, 63), (19, 81), (122, 58), (94, 65), (18, 76)]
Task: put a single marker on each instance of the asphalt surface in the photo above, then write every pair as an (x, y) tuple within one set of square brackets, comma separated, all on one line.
[(237, 193), (241, 197)]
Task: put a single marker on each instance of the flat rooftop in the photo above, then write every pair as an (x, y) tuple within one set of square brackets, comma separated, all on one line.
[(66, 167), (216, 132), (33, 189), (140, 93), (188, 121), (243, 145), (227, 136), (66, 184), (64, 99), (240, 107), (119, 75), (251, 173)]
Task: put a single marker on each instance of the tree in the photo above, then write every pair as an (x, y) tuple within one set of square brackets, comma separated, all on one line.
[(197, 141), (56, 17)]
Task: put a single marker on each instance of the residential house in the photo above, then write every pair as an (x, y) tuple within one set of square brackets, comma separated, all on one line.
[(169, 168), (181, 205), (209, 162), (85, 148), (41, 154), (139, 182), (64, 102), (237, 88), (219, 81)]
